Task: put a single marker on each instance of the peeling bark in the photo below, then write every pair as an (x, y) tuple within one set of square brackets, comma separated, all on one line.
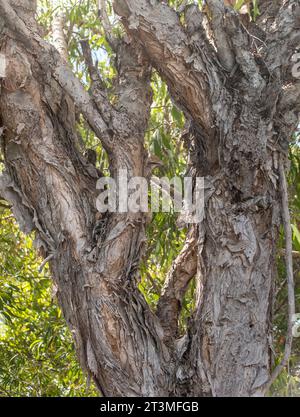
[(241, 106)]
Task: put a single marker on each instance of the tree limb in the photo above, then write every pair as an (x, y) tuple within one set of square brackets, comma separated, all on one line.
[(59, 40), (283, 37), (184, 268), (286, 220), (191, 78), (225, 54)]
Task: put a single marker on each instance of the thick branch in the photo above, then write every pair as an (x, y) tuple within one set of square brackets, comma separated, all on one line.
[(98, 88), (226, 56), (240, 39), (59, 40), (190, 77), (283, 39)]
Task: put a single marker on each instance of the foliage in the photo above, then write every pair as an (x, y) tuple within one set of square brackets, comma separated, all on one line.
[(36, 351)]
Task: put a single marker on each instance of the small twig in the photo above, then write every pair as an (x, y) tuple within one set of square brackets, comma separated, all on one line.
[(3, 219), (223, 44), (286, 220), (182, 7), (161, 107), (41, 267), (154, 284), (295, 254), (280, 288), (282, 304), (252, 36), (92, 68)]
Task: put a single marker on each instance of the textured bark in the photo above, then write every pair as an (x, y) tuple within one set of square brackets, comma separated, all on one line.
[(116, 335), (183, 270), (237, 149), (241, 105)]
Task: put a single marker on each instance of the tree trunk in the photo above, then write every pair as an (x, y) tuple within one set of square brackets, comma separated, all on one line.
[(235, 293), (241, 110)]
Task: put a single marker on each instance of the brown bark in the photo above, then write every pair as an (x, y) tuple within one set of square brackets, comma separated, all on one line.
[(242, 106), (183, 270)]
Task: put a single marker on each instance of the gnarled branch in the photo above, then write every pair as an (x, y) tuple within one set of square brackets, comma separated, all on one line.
[(187, 74)]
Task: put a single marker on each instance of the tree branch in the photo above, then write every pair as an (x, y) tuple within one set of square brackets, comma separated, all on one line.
[(286, 220), (59, 40), (98, 89), (225, 54), (192, 78), (183, 270), (282, 39), (244, 55)]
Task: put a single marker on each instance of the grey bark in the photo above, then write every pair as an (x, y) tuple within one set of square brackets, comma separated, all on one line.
[(242, 105)]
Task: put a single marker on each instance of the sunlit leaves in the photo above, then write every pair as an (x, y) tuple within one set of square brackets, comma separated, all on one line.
[(36, 350)]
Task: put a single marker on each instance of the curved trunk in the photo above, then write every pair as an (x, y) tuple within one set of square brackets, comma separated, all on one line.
[(235, 294), (228, 349)]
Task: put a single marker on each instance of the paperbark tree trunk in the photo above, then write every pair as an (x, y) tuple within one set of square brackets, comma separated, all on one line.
[(241, 108)]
